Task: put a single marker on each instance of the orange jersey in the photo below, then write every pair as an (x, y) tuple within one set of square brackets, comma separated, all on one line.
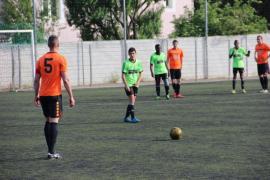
[(175, 58), (262, 53), (50, 66)]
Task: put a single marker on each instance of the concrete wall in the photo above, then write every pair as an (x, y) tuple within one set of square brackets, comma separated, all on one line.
[(100, 62)]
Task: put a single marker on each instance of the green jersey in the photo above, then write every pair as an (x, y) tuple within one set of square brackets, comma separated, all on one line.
[(159, 62), (238, 58), (132, 71)]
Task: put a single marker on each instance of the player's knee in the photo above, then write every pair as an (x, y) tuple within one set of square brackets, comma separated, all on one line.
[(166, 82)]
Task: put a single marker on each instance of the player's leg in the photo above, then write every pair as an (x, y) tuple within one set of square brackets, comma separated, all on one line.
[(52, 109), (134, 90), (266, 67), (261, 73), (157, 80), (241, 72), (178, 84), (129, 106), (234, 80), (173, 79), (166, 84)]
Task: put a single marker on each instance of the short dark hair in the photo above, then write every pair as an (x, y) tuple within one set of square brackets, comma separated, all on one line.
[(235, 41), (132, 49), (52, 41), (174, 41), (157, 45), (260, 36)]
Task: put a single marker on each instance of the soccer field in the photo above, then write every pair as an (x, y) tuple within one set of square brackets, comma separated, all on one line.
[(225, 136)]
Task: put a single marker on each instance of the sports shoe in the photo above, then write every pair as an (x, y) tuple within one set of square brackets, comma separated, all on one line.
[(158, 98), (233, 91), (174, 95), (167, 96), (135, 120), (127, 119), (244, 91), (265, 91), (54, 156), (179, 96)]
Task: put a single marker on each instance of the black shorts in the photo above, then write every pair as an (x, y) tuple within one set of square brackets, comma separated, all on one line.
[(162, 76), (240, 70), (133, 91), (175, 73), (262, 69), (51, 106)]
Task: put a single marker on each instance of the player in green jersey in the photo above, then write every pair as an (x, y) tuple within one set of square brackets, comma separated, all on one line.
[(131, 76), (158, 61), (238, 54)]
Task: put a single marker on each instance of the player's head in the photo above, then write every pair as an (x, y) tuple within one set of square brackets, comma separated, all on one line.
[(157, 48), (236, 44), (175, 43), (259, 39), (132, 53), (53, 42)]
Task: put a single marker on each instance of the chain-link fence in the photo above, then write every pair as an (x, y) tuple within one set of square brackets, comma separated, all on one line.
[(99, 62)]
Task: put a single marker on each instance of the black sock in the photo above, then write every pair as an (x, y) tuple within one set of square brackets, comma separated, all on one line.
[(47, 133), (262, 82), (174, 87), (158, 90), (233, 84), (242, 84), (167, 89), (265, 82), (132, 111), (177, 87), (53, 133), (128, 110)]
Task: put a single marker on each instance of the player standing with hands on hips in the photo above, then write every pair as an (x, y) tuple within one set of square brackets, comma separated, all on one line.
[(50, 69), (131, 76), (261, 57), (238, 54)]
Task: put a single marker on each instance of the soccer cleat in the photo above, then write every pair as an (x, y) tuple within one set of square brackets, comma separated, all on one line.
[(244, 91), (127, 119), (233, 91), (179, 96), (167, 96), (54, 156), (135, 120), (265, 91), (158, 98)]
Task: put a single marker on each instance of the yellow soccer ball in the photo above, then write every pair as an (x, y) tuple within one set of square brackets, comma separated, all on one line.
[(176, 133)]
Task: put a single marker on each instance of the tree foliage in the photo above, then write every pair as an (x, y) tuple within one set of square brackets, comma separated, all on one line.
[(104, 19), (223, 19), (17, 14)]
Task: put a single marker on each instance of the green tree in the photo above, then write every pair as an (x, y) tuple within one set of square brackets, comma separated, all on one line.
[(228, 19), (104, 19), (18, 15)]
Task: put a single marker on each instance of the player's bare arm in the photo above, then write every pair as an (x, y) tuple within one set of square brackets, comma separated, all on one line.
[(151, 70), (139, 80), (36, 87), (67, 85), (125, 82)]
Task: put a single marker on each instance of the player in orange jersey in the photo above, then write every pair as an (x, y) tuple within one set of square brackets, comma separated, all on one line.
[(50, 69), (175, 59), (261, 57)]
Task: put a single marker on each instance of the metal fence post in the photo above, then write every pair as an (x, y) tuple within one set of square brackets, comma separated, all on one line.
[(196, 61), (82, 64), (229, 61), (246, 57), (90, 63), (78, 64), (12, 70), (20, 66)]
